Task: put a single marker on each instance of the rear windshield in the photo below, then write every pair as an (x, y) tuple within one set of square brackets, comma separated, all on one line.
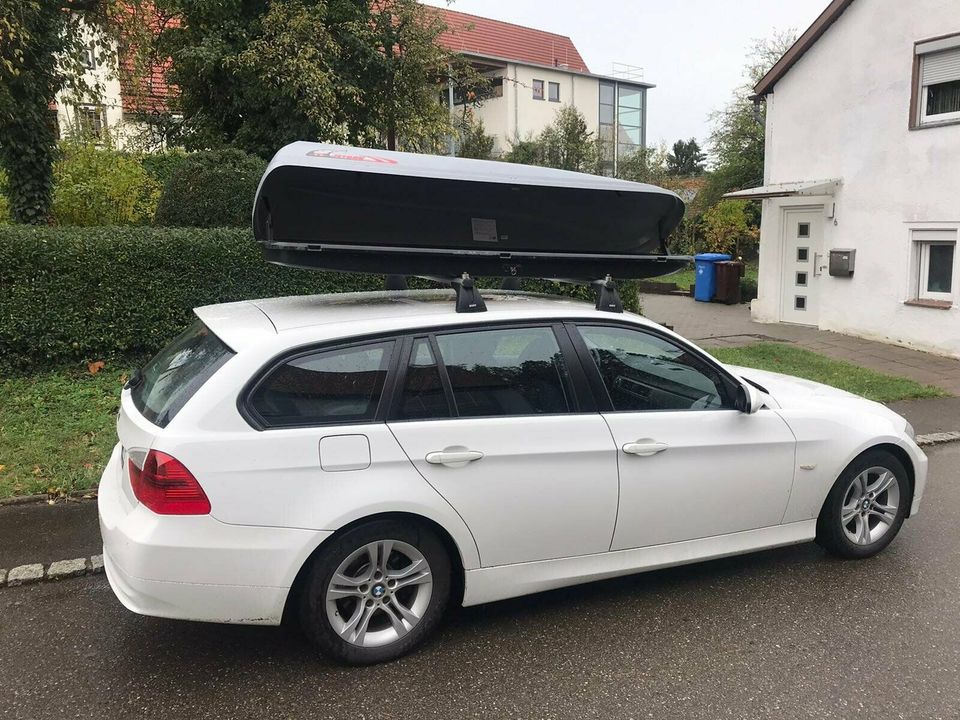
[(172, 377)]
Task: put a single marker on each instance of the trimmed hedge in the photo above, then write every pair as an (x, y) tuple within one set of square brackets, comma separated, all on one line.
[(72, 294), (208, 189)]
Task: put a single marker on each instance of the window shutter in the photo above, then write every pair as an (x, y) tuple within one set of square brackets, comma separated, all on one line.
[(941, 67)]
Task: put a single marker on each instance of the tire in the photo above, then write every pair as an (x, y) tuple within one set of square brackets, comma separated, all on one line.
[(355, 613), (847, 501)]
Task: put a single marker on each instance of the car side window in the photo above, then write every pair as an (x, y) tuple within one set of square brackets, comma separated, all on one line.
[(642, 371), (516, 371), (423, 396), (329, 387)]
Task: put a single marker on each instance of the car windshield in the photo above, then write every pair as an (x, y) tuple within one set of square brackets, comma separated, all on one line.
[(172, 377)]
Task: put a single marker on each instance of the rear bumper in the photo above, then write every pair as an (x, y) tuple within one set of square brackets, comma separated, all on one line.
[(195, 567)]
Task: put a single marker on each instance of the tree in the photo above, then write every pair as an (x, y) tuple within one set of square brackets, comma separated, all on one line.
[(41, 51), (727, 228), (686, 159), (259, 75), (737, 140), (472, 138), (566, 144)]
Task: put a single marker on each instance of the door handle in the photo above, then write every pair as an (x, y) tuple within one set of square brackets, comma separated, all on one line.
[(644, 448), (453, 458)]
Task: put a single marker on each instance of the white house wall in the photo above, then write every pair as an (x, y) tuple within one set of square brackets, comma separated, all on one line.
[(517, 114), (843, 112)]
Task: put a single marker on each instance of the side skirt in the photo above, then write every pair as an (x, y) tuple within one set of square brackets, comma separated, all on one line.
[(506, 581)]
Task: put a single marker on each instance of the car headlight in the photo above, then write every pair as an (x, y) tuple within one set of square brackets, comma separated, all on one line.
[(910, 431)]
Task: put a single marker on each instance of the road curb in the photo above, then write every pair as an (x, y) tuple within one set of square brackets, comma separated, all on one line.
[(54, 572), (937, 438)]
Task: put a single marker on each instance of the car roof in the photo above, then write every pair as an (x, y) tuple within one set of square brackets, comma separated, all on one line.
[(243, 323)]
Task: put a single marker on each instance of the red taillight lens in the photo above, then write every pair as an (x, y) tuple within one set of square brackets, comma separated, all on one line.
[(165, 486)]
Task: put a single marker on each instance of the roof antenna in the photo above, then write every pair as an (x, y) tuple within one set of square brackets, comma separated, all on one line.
[(468, 296)]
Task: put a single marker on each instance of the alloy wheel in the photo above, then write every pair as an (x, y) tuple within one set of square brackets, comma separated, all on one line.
[(870, 505), (379, 593)]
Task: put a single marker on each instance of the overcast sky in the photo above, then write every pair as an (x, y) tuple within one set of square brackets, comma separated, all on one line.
[(693, 50)]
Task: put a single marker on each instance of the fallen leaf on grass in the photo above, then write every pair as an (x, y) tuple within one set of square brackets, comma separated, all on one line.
[(95, 367)]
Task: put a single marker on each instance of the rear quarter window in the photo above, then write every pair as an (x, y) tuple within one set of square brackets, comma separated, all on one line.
[(175, 374)]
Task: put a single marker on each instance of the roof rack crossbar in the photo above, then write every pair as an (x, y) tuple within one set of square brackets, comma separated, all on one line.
[(468, 296)]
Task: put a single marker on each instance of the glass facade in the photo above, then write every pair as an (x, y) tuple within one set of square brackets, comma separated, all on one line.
[(622, 113)]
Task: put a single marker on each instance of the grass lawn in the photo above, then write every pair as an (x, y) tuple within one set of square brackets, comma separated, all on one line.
[(792, 360), (685, 278), (57, 429)]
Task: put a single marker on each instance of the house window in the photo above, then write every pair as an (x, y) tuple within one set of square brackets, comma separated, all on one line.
[(538, 89), (554, 89), (90, 121), (936, 91), (935, 252), (803, 254), (89, 58)]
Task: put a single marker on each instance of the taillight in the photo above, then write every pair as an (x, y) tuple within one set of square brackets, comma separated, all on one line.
[(165, 486)]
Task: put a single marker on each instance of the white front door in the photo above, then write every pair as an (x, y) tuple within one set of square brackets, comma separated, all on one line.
[(804, 263), (691, 465)]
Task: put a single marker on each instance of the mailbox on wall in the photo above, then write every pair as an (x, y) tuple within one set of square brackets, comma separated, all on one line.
[(841, 262)]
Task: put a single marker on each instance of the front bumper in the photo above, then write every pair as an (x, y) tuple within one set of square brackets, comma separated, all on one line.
[(195, 567)]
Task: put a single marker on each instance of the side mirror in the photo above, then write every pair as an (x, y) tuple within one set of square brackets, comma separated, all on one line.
[(749, 399)]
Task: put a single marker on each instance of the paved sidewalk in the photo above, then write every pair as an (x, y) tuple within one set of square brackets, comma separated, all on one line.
[(713, 324)]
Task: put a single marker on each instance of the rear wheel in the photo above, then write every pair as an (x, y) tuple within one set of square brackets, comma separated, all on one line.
[(866, 507), (376, 593)]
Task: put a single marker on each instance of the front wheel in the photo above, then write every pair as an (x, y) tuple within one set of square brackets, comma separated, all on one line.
[(376, 592), (866, 507)]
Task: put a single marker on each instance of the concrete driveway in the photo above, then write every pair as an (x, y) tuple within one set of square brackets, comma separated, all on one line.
[(788, 633)]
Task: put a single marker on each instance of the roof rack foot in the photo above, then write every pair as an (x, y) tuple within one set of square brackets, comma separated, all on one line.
[(608, 299), (468, 296), (395, 282)]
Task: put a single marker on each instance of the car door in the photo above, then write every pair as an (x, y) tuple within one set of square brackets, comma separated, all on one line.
[(691, 465), (492, 418)]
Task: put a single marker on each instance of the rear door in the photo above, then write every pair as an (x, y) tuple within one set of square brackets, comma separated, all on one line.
[(498, 420)]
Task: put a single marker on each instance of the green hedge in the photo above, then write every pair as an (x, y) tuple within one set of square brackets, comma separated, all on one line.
[(210, 189), (72, 294)]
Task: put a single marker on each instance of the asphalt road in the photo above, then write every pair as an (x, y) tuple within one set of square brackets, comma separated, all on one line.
[(788, 633)]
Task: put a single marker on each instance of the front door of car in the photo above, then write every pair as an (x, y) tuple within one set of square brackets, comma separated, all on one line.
[(691, 465), (493, 419)]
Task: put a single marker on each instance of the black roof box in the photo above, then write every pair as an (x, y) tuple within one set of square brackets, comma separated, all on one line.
[(363, 210)]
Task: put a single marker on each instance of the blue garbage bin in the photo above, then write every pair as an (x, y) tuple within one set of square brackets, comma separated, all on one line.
[(705, 285)]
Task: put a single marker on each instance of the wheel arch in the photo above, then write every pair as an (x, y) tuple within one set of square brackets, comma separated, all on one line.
[(898, 452), (453, 551)]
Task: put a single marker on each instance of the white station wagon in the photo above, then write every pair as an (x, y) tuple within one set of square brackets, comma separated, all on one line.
[(362, 461)]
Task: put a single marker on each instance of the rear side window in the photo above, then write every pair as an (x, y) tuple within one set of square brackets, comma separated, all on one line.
[(330, 387), (518, 371), (175, 374)]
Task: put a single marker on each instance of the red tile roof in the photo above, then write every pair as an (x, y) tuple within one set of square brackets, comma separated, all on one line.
[(151, 93), (472, 34)]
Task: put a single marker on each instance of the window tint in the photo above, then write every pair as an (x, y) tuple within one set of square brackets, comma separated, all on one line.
[(175, 374), (644, 372), (506, 372), (335, 386), (423, 395)]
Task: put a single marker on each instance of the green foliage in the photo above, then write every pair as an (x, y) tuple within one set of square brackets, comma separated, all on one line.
[(210, 189), (727, 228), (793, 360), (565, 144), (99, 186), (161, 165), (260, 75), (472, 138), (686, 158), (748, 289), (737, 140), (70, 294), (41, 49), (4, 203)]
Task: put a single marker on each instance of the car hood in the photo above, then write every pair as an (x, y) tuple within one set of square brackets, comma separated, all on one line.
[(793, 392)]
